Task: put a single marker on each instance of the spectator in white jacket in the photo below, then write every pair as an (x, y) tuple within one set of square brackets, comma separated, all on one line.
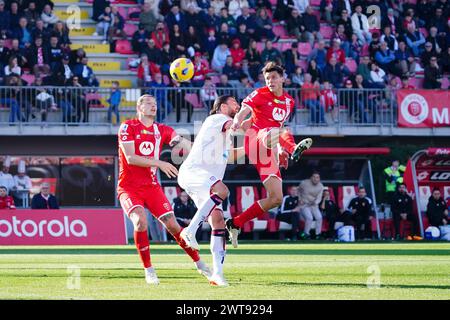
[(235, 7), (360, 25), (48, 16), (208, 93), (187, 4), (220, 57), (378, 76), (218, 5), (310, 195), (301, 5)]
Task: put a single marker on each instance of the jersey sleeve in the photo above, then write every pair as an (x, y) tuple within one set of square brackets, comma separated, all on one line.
[(126, 133), (167, 134), (252, 100)]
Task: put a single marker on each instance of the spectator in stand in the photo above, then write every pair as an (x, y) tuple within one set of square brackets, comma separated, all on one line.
[(210, 42), (55, 53), (5, 20), (48, 17), (271, 54), (445, 61), (415, 40), (401, 208), (23, 33), (433, 75), (116, 29), (405, 61), (159, 36), (289, 211), (148, 19), (254, 58), (310, 94), (146, 70), (364, 100), (345, 41), (40, 31), (261, 4), (346, 21), (360, 25), (224, 87), (319, 55), (361, 209), (301, 5), (6, 202), (105, 21), (297, 77), (242, 36), (224, 34), (140, 38), (326, 10), (244, 87), (200, 70), (62, 73), (220, 57), (4, 54), (291, 58), (12, 101), (192, 41), (208, 93), (348, 98), (39, 58), (77, 97), (264, 25), (250, 22), (235, 7), (377, 76), (12, 68), (331, 211), (336, 52), (62, 32), (237, 53), (31, 14), (14, 15), (427, 54), (98, 7), (385, 57), (312, 27), (177, 40), (314, 71), (328, 100), (210, 19), (283, 10), (45, 101), (167, 56), (310, 196), (405, 83), (437, 211), (333, 73), (184, 208), (44, 200), (85, 74), (439, 20), (437, 41), (186, 5), (217, 5), (161, 94), (389, 38), (245, 70), (152, 53), (231, 70), (228, 20), (295, 25), (262, 82), (364, 69), (114, 102), (391, 21)]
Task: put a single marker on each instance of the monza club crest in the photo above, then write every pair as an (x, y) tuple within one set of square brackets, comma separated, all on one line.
[(414, 108)]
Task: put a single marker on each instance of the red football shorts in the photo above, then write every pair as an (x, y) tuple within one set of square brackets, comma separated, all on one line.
[(264, 159), (152, 198)]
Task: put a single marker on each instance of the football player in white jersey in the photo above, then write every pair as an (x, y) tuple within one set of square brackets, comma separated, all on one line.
[(201, 176)]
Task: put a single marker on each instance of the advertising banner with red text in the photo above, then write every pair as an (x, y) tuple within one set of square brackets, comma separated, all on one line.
[(423, 108), (62, 227)]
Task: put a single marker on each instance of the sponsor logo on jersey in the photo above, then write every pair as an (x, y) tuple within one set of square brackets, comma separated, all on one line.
[(166, 206), (146, 148), (146, 132), (278, 114), (124, 128), (124, 138), (279, 101)]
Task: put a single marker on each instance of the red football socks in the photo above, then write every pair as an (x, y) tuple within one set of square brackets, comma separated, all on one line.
[(287, 141), (191, 252), (143, 247), (254, 211)]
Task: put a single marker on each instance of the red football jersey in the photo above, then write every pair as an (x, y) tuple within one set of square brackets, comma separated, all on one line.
[(7, 203), (268, 110), (148, 142)]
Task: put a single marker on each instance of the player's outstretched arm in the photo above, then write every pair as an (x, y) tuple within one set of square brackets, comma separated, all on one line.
[(179, 143), (240, 117), (136, 160)]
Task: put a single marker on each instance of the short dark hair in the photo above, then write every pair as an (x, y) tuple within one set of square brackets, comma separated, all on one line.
[(3, 187), (315, 172), (273, 66), (218, 102), (436, 189)]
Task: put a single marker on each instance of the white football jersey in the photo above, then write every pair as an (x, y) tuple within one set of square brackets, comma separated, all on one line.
[(211, 147)]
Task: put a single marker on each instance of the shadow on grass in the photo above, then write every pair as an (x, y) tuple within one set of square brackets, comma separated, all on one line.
[(359, 285), (256, 251)]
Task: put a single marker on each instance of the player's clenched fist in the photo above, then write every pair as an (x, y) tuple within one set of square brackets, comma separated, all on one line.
[(168, 169)]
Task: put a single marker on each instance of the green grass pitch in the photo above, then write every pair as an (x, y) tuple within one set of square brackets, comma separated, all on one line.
[(255, 270)]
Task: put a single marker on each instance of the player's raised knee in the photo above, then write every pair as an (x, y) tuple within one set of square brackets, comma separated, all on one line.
[(221, 190)]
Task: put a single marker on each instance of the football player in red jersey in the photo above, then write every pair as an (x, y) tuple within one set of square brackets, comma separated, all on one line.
[(140, 144), (270, 107), (6, 202)]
